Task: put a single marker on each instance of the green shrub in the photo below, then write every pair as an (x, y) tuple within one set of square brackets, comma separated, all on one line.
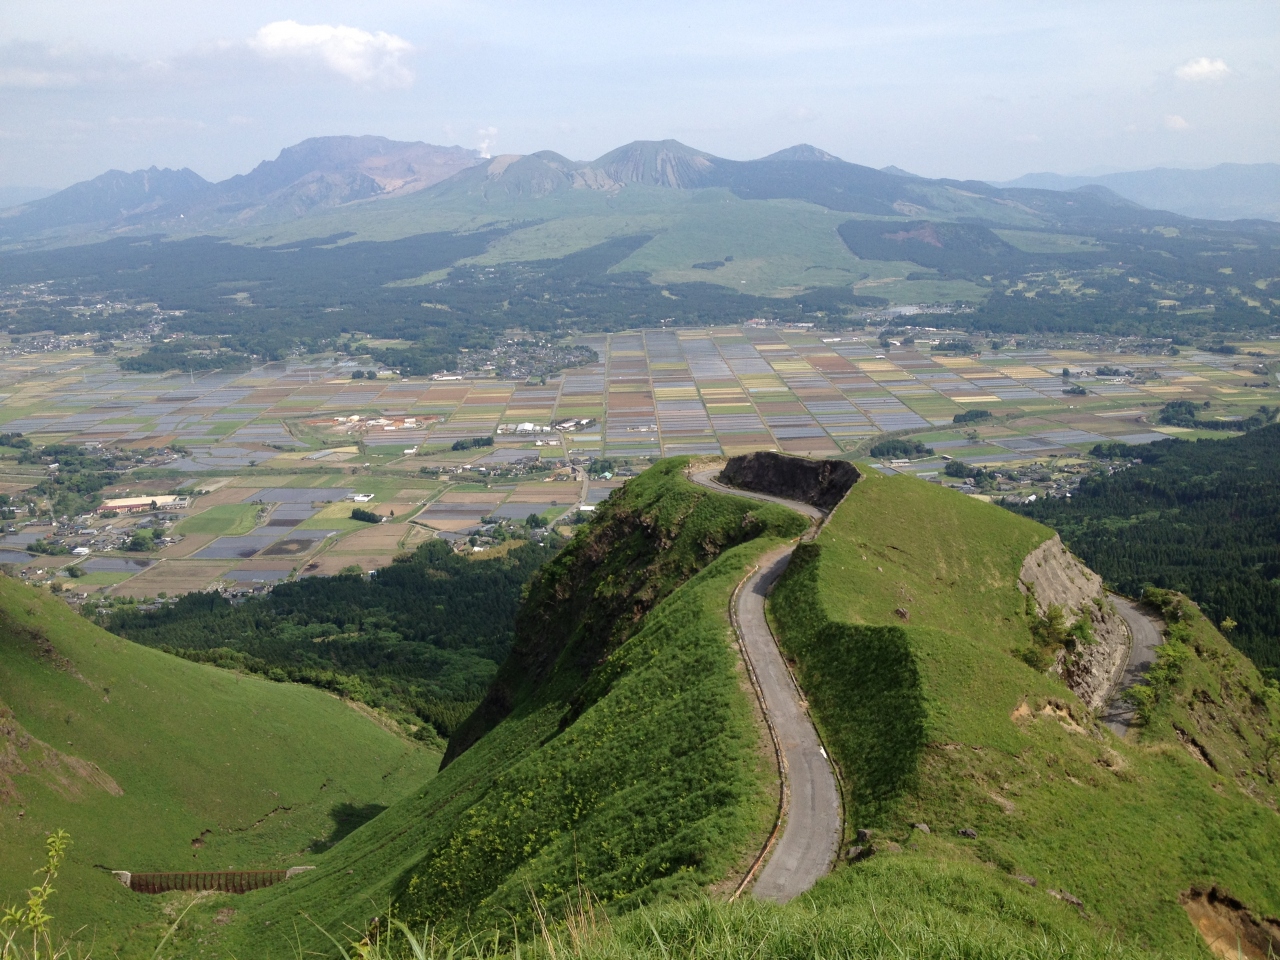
[(899, 448)]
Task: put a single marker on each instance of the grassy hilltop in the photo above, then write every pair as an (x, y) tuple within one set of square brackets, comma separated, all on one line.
[(925, 718), (617, 753), (152, 763)]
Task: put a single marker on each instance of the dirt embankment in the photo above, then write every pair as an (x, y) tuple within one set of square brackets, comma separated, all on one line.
[(1056, 577), (1229, 928), (821, 483), (24, 755)]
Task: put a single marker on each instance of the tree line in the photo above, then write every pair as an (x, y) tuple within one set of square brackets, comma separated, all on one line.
[(1201, 517), (420, 639)]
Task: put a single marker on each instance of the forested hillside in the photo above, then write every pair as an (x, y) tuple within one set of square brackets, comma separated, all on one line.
[(420, 640), (1200, 517)]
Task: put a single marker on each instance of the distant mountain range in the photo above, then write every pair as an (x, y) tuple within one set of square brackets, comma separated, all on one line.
[(1229, 191), (320, 173), (329, 174)]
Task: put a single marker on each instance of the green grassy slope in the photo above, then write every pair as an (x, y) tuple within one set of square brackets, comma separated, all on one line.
[(622, 753), (154, 763), (779, 247), (920, 715), (911, 906)]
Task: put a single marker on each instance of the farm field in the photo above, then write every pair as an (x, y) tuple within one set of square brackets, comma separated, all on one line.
[(272, 453)]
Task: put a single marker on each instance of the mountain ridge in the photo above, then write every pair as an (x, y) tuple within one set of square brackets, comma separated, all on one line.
[(317, 173), (324, 174), (1227, 191)]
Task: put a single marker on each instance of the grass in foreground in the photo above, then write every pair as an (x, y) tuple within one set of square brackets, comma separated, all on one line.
[(907, 907), (154, 763)]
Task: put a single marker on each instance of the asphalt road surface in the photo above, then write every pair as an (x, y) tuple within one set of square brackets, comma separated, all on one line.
[(812, 829), (707, 478), (1146, 634)]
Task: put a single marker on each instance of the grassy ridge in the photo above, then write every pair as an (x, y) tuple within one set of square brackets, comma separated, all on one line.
[(256, 772), (864, 684), (628, 757), (1124, 826), (915, 905)]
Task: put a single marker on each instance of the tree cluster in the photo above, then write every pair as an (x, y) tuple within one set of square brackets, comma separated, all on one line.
[(420, 639), (1200, 517)]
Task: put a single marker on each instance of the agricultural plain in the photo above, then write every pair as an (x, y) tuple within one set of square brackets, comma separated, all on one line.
[(271, 456)]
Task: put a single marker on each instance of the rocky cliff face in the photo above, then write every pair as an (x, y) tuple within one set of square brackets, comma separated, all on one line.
[(822, 483), (1054, 576)]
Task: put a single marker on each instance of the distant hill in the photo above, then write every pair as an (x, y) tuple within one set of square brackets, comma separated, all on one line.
[(322, 172), (390, 216), (802, 172), (111, 198), (1229, 191), (340, 174)]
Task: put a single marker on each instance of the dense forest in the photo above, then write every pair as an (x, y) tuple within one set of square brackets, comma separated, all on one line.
[(189, 356), (308, 294), (420, 639), (268, 301), (1201, 517)]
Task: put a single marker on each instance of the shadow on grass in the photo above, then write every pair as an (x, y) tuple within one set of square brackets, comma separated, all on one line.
[(346, 817)]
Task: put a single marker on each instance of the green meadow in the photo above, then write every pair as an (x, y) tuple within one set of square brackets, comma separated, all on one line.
[(152, 763)]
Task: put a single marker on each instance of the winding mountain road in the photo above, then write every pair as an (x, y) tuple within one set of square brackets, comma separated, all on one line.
[(1145, 634), (810, 809)]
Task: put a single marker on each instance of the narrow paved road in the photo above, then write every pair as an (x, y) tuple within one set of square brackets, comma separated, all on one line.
[(707, 478), (1146, 635), (812, 828)]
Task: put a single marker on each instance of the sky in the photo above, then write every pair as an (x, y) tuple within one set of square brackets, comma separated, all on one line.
[(988, 90)]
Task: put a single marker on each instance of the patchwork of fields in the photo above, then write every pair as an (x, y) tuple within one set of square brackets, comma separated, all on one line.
[(274, 451), (654, 393)]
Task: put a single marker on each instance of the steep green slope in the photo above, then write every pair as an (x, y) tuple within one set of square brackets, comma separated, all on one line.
[(905, 618), (619, 748), (153, 763)]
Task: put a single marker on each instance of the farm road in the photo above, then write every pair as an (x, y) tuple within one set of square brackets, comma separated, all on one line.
[(1146, 635), (811, 801)]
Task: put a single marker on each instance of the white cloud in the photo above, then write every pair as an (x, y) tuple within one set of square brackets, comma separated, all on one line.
[(1176, 123), (488, 135), (370, 59), (1202, 68)]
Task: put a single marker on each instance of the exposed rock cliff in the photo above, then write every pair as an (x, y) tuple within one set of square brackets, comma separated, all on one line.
[(822, 483), (1054, 576)]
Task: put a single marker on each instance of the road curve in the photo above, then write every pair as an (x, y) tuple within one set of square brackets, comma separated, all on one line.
[(707, 478), (1145, 634), (811, 817)]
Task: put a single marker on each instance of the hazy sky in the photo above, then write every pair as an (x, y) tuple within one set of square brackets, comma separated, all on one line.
[(988, 90)]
